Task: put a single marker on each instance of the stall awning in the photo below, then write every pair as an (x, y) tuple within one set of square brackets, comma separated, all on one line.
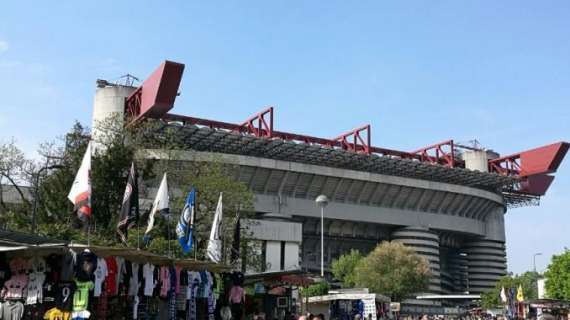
[(138, 255), (25, 244), (349, 296), (294, 277)]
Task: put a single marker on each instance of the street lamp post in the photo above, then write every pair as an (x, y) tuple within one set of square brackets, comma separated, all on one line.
[(534, 260), (322, 202), (36, 194)]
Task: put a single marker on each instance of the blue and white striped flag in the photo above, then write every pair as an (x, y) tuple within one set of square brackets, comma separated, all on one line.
[(186, 223)]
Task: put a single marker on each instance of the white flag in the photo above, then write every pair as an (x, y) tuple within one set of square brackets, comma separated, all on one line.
[(215, 243), (80, 193), (160, 204), (503, 295)]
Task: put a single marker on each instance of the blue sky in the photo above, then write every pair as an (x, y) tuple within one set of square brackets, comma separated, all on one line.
[(419, 71)]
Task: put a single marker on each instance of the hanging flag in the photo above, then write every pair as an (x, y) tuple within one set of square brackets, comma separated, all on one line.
[(503, 295), (129, 215), (214, 250), (512, 302), (186, 223), (160, 204), (520, 296), (80, 193), (236, 243)]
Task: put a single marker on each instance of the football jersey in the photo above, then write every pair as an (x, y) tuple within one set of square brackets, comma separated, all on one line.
[(18, 265), (38, 264), (15, 288), (134, 280), (149, 282), (48, 294), (164, 281), (56, 314), (111, 280), (86, 265), (64, 295), (35, 288), (12, 310), (81, 315), (68, 266), (81, 295), (121, 270), (100, 275)]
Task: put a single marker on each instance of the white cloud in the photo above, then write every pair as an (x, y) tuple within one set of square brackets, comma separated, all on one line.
[(3, 46)]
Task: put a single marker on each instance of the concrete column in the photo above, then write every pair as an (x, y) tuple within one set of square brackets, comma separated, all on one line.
[(426, 243), (478, 159), (486, 264), (108, 103)]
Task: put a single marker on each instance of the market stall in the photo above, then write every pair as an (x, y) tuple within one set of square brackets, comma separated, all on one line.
[(547, 309), (345, 304), (275, 295), (66, 280)]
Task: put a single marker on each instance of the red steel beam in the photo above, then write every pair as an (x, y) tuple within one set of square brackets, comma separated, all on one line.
[(536, 185), (538, 161), (260, 125), (155, 97), (283, 135), (357, 140), (436, 154)]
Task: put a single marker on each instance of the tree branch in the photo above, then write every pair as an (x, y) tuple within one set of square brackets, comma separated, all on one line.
[(17, 188)]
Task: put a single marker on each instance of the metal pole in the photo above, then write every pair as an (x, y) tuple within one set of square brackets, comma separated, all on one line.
[(534, 260), (88, 232), (35, 205), (323, 241), (168, 227)]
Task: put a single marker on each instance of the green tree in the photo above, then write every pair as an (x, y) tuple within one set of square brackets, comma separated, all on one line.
[(317, 289), (527, 281), (343, 268), (109, 167), (394, 270), (117, 148), (558, 276)]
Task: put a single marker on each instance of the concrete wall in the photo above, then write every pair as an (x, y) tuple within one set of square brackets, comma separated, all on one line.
[(275, 230), (389, 216), (273, 255), (282, 240), (291, 256)]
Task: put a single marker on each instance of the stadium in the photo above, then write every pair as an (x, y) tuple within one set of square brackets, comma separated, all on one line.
[(447, 201)]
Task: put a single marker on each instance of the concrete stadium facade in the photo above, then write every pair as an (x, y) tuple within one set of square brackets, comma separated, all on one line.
[(458, 229)]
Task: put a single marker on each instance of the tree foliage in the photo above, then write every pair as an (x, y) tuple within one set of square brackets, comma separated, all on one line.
[(116, 149), (527, 280), (343, 268), (316, 289), (394, 270), (558, 276)]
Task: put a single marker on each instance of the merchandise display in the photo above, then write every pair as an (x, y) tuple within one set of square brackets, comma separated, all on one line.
[(79, 283)]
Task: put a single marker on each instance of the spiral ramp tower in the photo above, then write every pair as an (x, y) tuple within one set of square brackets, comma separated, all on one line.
[(426, 245)]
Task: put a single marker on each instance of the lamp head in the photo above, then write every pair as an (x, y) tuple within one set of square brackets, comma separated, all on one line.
[(322, 201)]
